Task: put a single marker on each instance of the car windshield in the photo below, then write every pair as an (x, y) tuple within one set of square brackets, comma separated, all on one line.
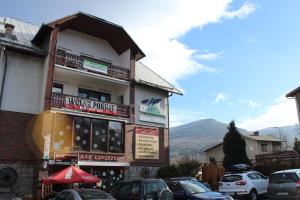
[(194, 187), (93, 194), (284, 178), (231, 178)]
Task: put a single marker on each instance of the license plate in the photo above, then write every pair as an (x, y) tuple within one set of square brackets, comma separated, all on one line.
[(282, 193)]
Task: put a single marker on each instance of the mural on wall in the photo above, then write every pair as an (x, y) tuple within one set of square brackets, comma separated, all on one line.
[(151, 110)]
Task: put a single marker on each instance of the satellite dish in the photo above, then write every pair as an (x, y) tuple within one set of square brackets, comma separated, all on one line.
[(8, 177)]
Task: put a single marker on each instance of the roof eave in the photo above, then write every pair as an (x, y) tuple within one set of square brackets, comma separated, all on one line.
[(293, 92)]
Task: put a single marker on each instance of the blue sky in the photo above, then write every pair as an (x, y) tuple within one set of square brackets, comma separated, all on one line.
[(233, 59)]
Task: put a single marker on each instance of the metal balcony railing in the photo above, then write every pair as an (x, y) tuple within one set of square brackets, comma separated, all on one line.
[(77, 62), (63, 101)]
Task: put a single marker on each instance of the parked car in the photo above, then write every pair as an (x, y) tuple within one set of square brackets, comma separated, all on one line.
[(193, 190), (148, 189), (284, 185), (83, 194), (248, 185), (188, 178)]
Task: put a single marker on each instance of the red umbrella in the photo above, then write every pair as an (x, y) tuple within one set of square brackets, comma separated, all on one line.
[(71, 175)]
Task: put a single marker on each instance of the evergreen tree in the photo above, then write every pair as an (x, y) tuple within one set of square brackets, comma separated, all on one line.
[(234, 148), (297, 145)]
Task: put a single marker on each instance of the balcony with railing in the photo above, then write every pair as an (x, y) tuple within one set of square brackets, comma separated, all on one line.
[(74, 103), (83, 63)]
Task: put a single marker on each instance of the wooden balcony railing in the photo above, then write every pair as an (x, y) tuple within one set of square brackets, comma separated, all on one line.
[(77, 62), (88, 105)]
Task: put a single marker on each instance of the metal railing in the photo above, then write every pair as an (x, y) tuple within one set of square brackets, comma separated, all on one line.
[(74, 61), (58, 101)]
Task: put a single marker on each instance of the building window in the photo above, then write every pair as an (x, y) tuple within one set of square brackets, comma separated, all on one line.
[(94, 95), (82, 127), (98, 135), (264, 147), (57, 88), (276, 147)]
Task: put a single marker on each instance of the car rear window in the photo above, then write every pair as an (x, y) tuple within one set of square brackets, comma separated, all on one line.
[(284, 178), (231, 178), (93, 194), (154, 187)]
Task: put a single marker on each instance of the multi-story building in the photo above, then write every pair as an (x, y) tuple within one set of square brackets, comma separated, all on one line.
[(296, 95), (74, 92), (255, 145)]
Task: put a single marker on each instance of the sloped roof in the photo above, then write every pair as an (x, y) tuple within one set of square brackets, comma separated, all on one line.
[(146, 76), (293, 92), (251, 137), (21, 37), (262, 138), (82, 22)]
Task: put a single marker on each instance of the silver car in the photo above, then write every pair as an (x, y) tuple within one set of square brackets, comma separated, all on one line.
[(284, 185), (83, 194)]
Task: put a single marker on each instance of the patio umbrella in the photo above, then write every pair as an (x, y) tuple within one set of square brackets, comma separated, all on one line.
[(71, 175)]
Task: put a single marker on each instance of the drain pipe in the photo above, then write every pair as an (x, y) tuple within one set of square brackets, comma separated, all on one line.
[(3, 77)]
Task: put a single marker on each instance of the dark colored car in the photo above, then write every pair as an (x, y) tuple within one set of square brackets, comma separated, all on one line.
[(194, 190), (147, 189), (83, 194), (284, 185), (188, 178)]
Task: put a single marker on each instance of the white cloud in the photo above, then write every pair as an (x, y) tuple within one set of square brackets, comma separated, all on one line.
[(251, 103), (208, 56), (281, 113), (221, 97), (156, 26), (243, 12), (180, 117)]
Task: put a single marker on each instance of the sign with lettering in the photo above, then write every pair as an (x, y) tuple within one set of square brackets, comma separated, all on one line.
[(87, 105), (146, 143), (65, 158), (95, 66), (97, 157), (151, 106)]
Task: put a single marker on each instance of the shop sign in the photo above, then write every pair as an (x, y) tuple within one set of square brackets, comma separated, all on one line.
[(94, 66), (151, 106), (46, 146), (98, 157), (87, 105), (146, 143), (65, 158)]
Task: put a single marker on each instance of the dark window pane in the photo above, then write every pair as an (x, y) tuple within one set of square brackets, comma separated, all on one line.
[(99, 135), (116, 137), (82, 133), (57, 88), (231, 178)]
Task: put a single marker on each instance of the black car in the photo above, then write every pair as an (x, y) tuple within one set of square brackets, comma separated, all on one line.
[(194, 190), (150, 189), (188, 178)]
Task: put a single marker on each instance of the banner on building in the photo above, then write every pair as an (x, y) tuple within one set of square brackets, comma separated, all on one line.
[(95, 66), (65, 158), (87, 105), (97, 157), (146, 143)]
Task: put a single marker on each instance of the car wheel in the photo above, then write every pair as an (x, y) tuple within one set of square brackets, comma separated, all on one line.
[(252, 195), (166, 194)]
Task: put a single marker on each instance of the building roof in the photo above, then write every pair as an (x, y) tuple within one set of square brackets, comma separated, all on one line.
[(21, 37), (82, 22), (293, 92), (146, 76), (251, 137), (263, 138)]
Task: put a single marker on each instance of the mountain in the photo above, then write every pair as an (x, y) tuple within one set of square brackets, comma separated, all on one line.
[(190, 140)]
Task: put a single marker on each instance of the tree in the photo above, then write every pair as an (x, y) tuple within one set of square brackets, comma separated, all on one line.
[(297, 145), (234, 148)]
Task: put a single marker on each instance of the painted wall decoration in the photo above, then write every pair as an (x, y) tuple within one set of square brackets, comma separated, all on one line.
[(146, 143), (151, 111), (87, 105)]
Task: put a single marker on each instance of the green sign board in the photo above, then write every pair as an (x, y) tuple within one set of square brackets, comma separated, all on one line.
[(98, 67)]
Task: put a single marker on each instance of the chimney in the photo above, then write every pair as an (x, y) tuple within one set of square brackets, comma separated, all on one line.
[(9, 29), (256, 133)]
